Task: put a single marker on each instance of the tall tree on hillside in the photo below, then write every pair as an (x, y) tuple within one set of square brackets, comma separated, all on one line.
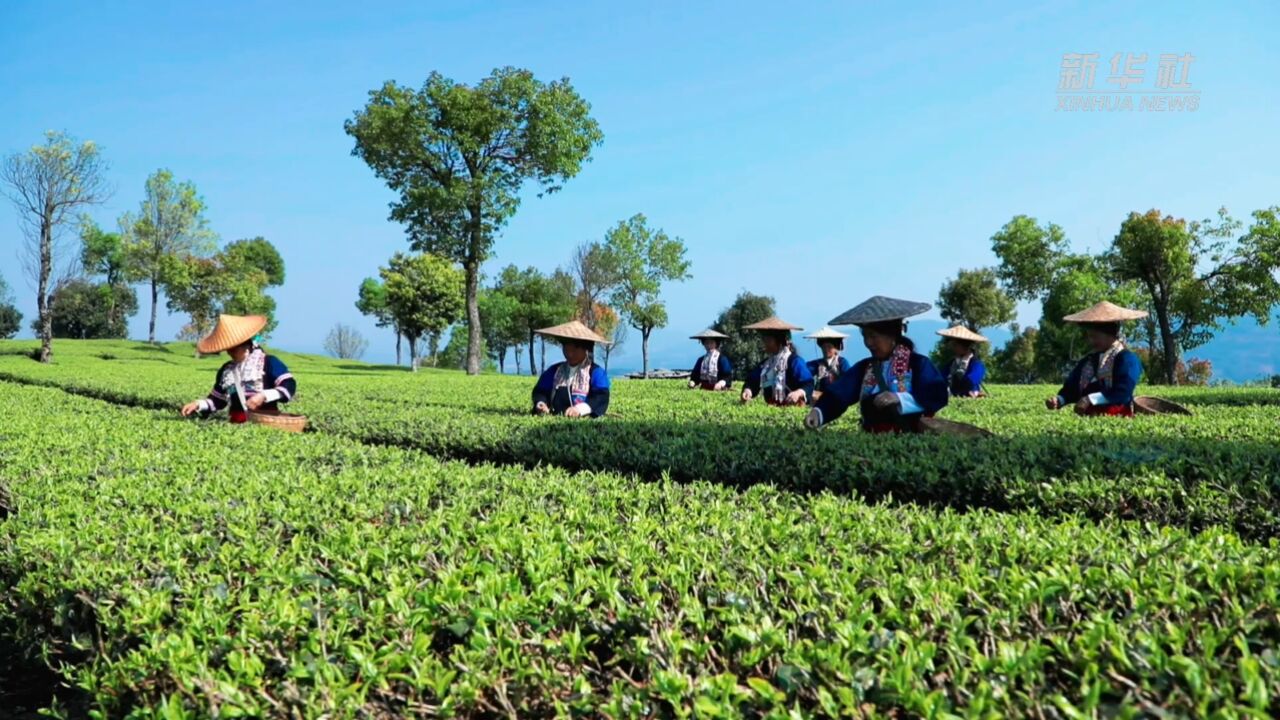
[(48, 184), (345, 343), (1030, 254), (169, 228), (233, 281), (458, 156), (83, 310), (612, 328), (372, 301), (743, 346), (1196, 275), (541, 301), (1015, 363), (424, 295), (595, 271), (644, 259), (10, 318)]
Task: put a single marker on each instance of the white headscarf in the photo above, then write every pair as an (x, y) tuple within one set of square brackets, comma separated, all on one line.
[(711, 366), (246, 375), (577, 378)]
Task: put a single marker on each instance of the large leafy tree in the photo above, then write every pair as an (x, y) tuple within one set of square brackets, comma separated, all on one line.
[(424, 296), (643, 259), (743, 346), (1015, 363), (48, 184), (102, 254), (595, 271), (974, 298), (169, 229), (541, 301), (1194, 276), (458, 156), (84, 310), (232, 281), (1030, 254)]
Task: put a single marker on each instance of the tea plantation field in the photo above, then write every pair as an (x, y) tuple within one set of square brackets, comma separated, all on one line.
[(432, 550)]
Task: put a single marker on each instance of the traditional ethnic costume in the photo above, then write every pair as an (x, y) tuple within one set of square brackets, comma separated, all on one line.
[(1108, 378), (584, 386), (825, 369), (966, 374), (921, 390), (714, 367), (782, 373), (257, 374)]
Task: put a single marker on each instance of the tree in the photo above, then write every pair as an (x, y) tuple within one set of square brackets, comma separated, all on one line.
[(424, 296), (596, 274), (10, 318), (103, 254), (458, 156), (975, 300), (372, 301), (541, 301), (1082, 281), (1030, 255), (499, 314), (345, 343), (1193, 276), (742, 347), (232, 281), (644, 259), (1015, 363), (610, 327), (170, 228), (47, 185), (83, 310)]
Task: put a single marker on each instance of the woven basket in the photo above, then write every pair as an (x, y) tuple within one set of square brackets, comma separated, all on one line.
[(1157, 406), (282, 421)]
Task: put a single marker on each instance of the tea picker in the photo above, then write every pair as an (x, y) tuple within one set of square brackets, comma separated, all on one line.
[(252, 385)]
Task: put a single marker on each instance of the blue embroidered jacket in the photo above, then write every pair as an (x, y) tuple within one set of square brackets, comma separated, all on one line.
[(825, 383), (798, 377), (968, 381), (559, 400), (927, 394), (1125, 371), (724, 372), (277, 383)]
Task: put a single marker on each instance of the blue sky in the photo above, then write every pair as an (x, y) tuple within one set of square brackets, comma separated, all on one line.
[(817, 152)]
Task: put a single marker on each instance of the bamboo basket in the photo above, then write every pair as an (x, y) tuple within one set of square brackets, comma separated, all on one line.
[(281, 421), (1157, 406), (938, 426)]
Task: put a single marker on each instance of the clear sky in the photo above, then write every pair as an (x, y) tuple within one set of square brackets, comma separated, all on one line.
[(817, 152)]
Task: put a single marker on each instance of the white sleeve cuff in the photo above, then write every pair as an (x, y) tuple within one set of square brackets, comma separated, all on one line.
[(907, 405), (272, 395), (584, 409), (206, 405), (1097, 399)]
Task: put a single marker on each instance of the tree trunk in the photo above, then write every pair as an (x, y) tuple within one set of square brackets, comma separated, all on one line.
[(644, 349), (533, 366), (1168, 342), (42, 290), (472, 267), (413, 353), (516, 354), (155, 298), (544, 354), (397, 348), (502, 361)]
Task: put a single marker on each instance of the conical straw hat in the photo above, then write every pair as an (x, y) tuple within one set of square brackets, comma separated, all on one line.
[(709, 334), (960, 332), (879, 309), (1105, 312), (827, 333), (772, 324), (572, 330), (231, 331)]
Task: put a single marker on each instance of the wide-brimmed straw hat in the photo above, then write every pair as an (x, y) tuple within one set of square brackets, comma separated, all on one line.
[(772, 324), (573, 330), (880, 309), (960, 332), (231, 330), (709, 334), (1105, 312), (827, 333)]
